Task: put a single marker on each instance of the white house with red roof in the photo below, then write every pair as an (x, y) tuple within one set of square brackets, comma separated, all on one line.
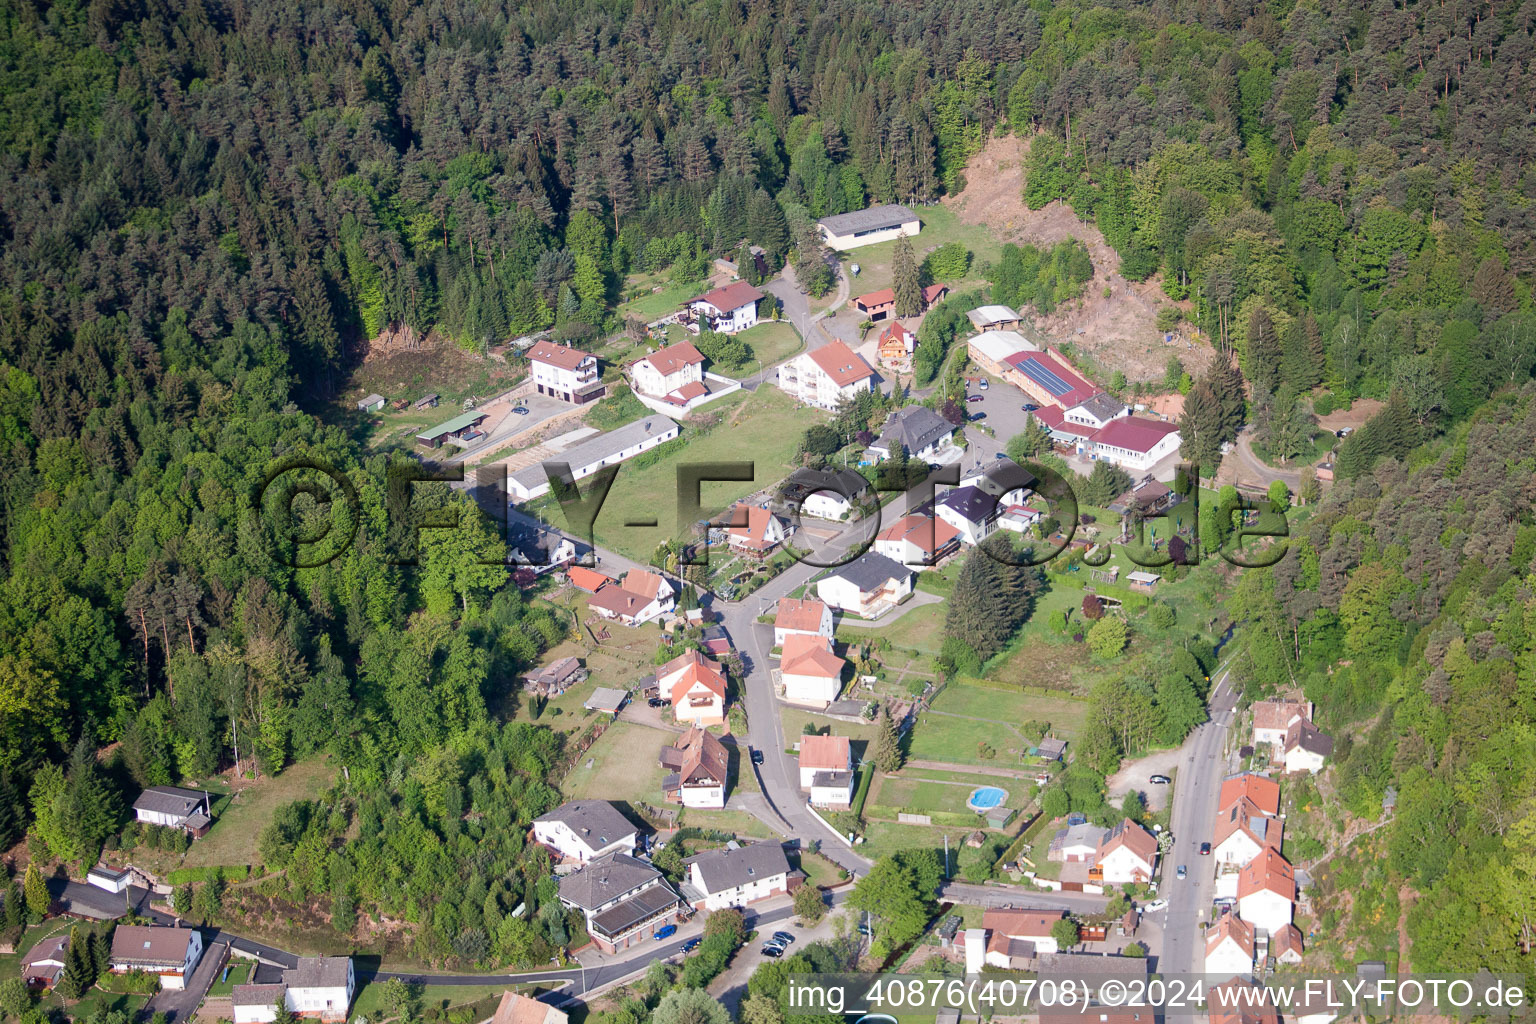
[(827, 377), (1134, 443), (1272, 718), (695, 685), (726, 310), (566, 373), (668, 370), (809, 672), (1127, 854), (1229, 948), (641, 597), (1015, 937), (1247, 819), (755, 532), (801, 616), (918, 542), (1266, 892), (826, 770)]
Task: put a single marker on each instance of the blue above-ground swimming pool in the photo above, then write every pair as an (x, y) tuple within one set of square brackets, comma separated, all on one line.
[(984, 798)]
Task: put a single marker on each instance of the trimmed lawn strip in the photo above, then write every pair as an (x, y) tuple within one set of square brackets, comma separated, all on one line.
[(624, 766), (230, 840)]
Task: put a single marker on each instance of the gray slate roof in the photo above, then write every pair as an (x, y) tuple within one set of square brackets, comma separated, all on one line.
[(606, 879), (727, 869), (974, 504), (872, 219), (319, 972), (597, 822), (916, 427), (870, 570), (168, 800), (1102, 405)]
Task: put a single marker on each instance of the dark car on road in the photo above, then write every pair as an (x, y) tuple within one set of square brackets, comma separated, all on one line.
[(772, 950), (976, 398), (1029, 407), (784, 938), (691, 945), (1205, 849), (757, 757), (978, 416)]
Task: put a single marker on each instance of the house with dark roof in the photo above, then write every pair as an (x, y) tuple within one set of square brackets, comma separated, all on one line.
[(584, 830), (972, 512), (319, 988), (1096, 411), (845, 231), (44, 962), (554, 679), (1306, 747), (869, 586), (726, 310), (735, 876), (169, 953), (918, 429), (825, 493), (171, 807), (698, 770), (623, 899)]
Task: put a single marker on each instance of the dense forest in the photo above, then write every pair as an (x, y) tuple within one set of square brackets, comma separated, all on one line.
[(209, 208)]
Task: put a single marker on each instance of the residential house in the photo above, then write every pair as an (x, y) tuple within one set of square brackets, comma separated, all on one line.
[(589, 456), (1134, 443), (922, 432), (1243, 832), (1127, 855), (804, 616), (831, 505), (1240, 1001), (623, 899), (868, 586), (1071, 438), (991, 350), (584, 830), (825, 493), (993, 318), (43, 965), (623, 606), (516, 1008), (1048, 380), (735, 876), (845, 231), (373, 403), (726, 310), (1306, 747), (698, 770), (542, 548), (896, 346), (917, 541), (1229, 945), (1271, 719), (809, 672), (566, 373), (553, 680), (171, 807), (971, 511), (1076, 844), (716, 641), (319, 988), (1285, 945), (652, 586), (1096, 411), (695, 686), (1266, 892), (826, 770), (826, 377), (1016, 937), (1260, 791), (1146, 498), (668, 370), (170, 953), (755, 532)]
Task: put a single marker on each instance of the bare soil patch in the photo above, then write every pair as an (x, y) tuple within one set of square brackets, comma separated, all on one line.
[(1117, 331), (1359, 411), (400, 363)]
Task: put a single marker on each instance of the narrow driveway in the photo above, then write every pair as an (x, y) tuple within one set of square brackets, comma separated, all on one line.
[(179, 1005), (1194, 812)]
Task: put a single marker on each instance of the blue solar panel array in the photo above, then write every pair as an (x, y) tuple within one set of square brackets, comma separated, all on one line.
[(1044, 377)]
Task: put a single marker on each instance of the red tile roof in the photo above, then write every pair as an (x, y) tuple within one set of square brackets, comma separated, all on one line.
[(802, 614), (1263, 793), (754, 531), (619, 601), (825, 753), (669, 360), (838, 362), (558, 355), (933, 293), (1025, 924), (1133, 837), (806, 655), (587, 579), (1233, 927), (928, 535), (897, 334), (701, 674), (1227, 1004), (1134, 434), (646, 584), (1268, 871), (732, 296), (883, 297), (687, 393)]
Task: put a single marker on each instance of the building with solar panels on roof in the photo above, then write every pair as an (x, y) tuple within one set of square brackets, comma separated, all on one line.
[(1048, 380)]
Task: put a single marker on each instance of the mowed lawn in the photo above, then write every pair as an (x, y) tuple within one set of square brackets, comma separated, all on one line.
[(624, 766), (913, 640), (763, 428), (940, 226), (232, 840), (653, 305), (962, 717), (771, 342)]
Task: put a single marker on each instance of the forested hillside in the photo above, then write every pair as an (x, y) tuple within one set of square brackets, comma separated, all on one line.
[(208, 208)]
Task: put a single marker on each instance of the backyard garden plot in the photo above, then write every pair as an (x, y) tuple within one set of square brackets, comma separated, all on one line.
[(983, 726), (624, 766), (892, 794)]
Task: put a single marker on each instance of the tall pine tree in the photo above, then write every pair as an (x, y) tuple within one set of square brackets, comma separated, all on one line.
[(887, 747), (909, 290)]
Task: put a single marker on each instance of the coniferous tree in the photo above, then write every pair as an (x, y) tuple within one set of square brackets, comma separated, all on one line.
[(77, 975), (1263, 355), (38, 900), (908, 286), (887, 746)]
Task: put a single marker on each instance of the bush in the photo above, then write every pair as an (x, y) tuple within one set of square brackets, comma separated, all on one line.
[(1161, 616), (1323, 404)]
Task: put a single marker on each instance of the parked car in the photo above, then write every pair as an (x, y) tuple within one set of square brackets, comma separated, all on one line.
[(691, 945), (983, 384), (1182, 872), (1343, 431), (784, 938), (978, 416), (521, 410), (1154, 906), (772, 950), (666, 931), (1030, 407), (976, 398), (657, 702), (757, 757), (1159, 780), (1205, 849)]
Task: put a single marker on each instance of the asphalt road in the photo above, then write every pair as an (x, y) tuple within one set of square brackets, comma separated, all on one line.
[(1201, 771)]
